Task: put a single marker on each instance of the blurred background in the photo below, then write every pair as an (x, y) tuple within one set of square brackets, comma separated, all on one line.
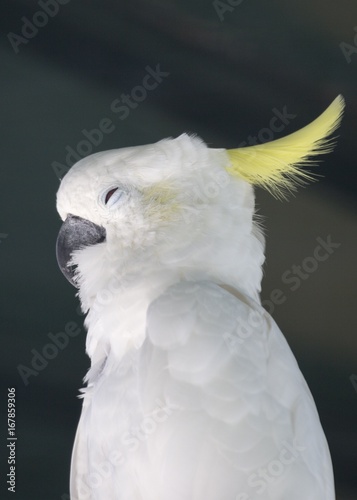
[(72, 83)]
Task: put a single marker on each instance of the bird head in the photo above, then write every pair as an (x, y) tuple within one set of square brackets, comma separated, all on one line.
[(178, 204)]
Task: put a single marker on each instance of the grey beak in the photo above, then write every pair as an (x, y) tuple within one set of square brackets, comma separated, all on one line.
[(75, 233)]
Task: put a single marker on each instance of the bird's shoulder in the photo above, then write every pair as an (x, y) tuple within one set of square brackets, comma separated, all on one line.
[(218, 341)]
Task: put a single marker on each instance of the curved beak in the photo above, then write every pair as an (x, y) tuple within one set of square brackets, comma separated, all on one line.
[(75, 233)]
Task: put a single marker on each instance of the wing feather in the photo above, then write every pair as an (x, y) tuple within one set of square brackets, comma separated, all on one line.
[(211, 407), (240, 402)]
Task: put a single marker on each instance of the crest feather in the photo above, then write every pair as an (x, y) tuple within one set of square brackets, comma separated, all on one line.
[(276, 165)]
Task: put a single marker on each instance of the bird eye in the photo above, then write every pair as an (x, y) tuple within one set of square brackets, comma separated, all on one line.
[(112, 196), (109, 194)]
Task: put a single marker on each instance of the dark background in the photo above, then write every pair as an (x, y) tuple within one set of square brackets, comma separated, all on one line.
[(226, 76)]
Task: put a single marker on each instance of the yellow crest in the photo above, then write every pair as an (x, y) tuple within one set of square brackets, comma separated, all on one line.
[(276, 165)]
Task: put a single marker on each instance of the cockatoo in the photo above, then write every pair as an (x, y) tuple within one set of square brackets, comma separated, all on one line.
[(193, 392)]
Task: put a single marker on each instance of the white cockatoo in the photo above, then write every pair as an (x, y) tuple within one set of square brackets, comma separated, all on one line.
[(193, 392)]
